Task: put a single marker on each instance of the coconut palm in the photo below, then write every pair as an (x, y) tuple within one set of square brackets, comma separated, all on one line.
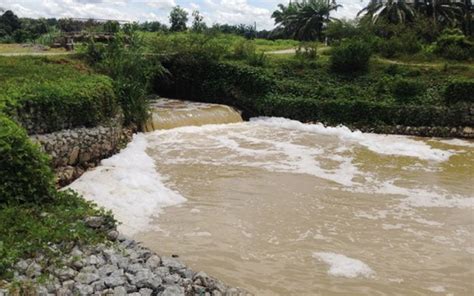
[(445, 12), (304, 20), (393, 11)]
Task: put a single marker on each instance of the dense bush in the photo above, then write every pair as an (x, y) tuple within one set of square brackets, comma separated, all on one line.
[(404, 88), (406, 43), (351, 56), (200, 46), (361, 112), (244, 48), (206, 80), (452, 44), (85, 101), (53, 93), (459, 90), (247, 50), (24, 170), (125, 61)]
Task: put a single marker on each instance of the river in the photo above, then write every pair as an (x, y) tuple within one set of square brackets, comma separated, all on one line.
[(284, 208)]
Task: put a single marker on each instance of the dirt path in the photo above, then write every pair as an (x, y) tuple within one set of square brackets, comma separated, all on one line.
[(14, 54), (282, 51)]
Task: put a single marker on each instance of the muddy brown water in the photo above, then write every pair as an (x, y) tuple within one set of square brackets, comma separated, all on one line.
[(282, 208)]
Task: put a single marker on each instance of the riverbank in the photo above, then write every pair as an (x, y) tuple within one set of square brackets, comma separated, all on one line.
[(118, 266)]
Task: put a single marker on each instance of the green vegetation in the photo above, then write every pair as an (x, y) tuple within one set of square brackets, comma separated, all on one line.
[(351, 56), (26, 175), (401, 64), (459, 90), (54, 93), (308, 86), (33, 215), (50, 228), (124, 60)]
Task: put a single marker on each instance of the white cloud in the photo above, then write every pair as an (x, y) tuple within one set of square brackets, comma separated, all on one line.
[(161, 4), (214, 11)]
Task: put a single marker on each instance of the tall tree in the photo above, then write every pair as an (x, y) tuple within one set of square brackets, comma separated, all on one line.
[(10, 22), (178, 19), (198, 22), (304, 20), (393, 11)]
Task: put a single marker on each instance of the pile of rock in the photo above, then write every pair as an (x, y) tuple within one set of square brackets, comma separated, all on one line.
[(119, 267)]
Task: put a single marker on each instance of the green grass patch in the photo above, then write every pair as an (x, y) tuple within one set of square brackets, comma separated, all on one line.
[(265, 45), (46, 94), (51, 229)]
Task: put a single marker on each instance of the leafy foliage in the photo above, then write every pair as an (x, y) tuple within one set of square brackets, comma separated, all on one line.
[(178, 19), (459, 90), (24, 170), (351, 56), (54, 94), (124, 60), (27, 230), (304, 20), (405, 89), (452, 44)]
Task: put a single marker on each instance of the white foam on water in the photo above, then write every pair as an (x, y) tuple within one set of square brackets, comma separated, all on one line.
[(272, 144), (343, 266), (252, 148), (437, 289), (381, 144), (432, 197), (198, 233), (129, 185), (456, 142)]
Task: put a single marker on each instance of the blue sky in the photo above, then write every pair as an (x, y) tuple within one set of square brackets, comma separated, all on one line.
[(214, 11)]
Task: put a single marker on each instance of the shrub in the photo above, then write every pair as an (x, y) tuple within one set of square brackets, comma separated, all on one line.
[(24, 170), (49, 106), (405, 88), (459, 90), (453, 44), (389, 48), (244, 48), (351, 56), (257, 59), (307, 51), (46, 94), (362, 112), (124, 60), (199, 45), (206, 80)]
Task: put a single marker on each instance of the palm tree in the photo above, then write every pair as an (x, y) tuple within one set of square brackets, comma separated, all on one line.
[(394, 11), (286, 18), (444, 12), (304, 20)]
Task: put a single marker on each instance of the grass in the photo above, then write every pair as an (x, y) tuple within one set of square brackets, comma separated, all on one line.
[(52, 228), (314, 80), (265, 45), (55, 92), (41, 68)]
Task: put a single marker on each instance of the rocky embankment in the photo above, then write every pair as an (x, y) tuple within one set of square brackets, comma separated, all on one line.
[(118, 267)]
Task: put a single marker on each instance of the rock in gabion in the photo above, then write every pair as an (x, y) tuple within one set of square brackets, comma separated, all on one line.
[(123, 267)]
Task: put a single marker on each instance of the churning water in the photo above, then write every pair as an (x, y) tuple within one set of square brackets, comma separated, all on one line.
[(283, 208)]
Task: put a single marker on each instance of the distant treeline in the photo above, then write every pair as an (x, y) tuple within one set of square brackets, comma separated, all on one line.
[(14, 29)]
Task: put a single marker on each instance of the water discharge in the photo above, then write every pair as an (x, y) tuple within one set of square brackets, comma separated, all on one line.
[(168, 114), (283, 208)]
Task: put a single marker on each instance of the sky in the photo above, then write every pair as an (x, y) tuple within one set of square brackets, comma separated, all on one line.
[(214, 11)]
